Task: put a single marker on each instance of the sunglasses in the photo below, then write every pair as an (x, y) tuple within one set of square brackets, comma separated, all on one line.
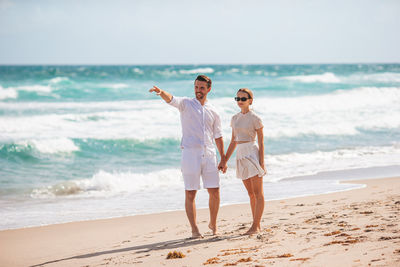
[(241, 98)]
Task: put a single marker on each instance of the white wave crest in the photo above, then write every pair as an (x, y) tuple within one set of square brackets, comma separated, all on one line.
[(299, 164), (8, 93), (343, 112), (385, 77), (51, 146), (106, 184), (59, 80), (327, 77), (195, 71), (116, 85), (137, 70), (234, 70), (125, 123), (35, 88)]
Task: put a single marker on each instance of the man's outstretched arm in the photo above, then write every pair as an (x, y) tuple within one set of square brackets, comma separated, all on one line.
[(164, 95)]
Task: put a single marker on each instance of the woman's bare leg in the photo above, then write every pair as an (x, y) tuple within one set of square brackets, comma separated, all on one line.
[(257, 185), (249, 187)]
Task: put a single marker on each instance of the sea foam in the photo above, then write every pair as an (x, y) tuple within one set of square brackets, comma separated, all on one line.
[(327, 77), (300, 164), (343, 112), (197, 71), (36, 88), (116, 85), (51, 146), (59, 80), (384, 77), (111, 183), (8, 93), (106, 184)]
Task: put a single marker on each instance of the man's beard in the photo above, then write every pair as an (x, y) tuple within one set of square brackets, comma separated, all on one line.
[(199, 96)]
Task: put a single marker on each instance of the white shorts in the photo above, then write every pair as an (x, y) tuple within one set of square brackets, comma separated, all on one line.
[(198, 162)]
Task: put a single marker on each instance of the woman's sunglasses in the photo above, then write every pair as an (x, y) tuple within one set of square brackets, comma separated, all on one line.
[(241, 99)]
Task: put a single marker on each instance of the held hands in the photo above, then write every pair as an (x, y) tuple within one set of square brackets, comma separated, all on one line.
[(155, 89), (222, 166)]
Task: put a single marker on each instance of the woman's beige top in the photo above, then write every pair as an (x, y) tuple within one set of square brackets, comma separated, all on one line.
[(244, 126)]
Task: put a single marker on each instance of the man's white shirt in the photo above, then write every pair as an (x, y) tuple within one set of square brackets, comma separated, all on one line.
[(200, 124)]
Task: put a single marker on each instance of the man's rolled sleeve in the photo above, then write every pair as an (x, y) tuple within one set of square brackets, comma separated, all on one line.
[(177, 102), (217, 131)]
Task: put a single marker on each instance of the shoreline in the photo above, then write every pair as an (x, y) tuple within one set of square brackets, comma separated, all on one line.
[(349, 228), (201, 208), (182, 210), (376, 172)]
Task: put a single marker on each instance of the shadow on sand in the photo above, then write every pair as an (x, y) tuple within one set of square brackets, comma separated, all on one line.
[(172, 244)]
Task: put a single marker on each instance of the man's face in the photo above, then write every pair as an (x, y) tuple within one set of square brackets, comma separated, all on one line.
[(200, 89)]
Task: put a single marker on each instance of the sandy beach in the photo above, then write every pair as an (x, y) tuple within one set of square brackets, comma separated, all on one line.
[(351, 228)]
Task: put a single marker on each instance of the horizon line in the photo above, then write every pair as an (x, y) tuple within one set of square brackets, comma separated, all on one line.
[(191, 64)]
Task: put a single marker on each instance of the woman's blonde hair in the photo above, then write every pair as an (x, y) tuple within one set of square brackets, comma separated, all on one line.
[(248, 92)]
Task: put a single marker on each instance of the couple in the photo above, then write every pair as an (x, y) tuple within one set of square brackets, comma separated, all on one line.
[(200, 125)]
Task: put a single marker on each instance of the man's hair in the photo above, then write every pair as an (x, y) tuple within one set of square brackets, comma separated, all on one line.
[(204, 78)]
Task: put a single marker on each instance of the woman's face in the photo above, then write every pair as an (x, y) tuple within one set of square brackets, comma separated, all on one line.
[(243, 104)]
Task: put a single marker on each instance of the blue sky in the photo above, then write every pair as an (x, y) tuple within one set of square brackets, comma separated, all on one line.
[(199, 32)]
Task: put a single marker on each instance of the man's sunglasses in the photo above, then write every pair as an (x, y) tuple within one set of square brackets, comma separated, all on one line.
[(241, 99)]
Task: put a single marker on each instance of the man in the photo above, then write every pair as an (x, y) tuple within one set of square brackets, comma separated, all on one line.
[(200, 125)]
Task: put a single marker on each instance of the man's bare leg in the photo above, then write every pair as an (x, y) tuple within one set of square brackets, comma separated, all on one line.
[(190, 207), (213, 204)]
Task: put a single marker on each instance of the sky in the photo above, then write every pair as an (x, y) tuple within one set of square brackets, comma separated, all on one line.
[(199, 32)]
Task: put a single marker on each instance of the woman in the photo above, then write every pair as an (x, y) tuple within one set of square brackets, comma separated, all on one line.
[(249, 156)]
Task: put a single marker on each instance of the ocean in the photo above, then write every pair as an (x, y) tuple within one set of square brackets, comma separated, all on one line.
[(88, 142)]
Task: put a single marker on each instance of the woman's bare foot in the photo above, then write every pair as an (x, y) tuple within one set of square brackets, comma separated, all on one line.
[(213, 228), (252, 231), (196, 235)]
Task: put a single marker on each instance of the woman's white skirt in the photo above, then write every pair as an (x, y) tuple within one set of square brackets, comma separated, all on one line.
[(248, 161)]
